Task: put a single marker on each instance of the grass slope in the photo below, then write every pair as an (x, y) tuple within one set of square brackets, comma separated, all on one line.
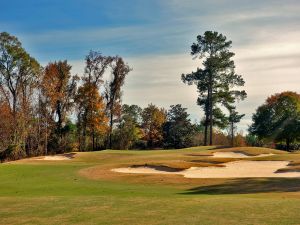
[(84, 191)]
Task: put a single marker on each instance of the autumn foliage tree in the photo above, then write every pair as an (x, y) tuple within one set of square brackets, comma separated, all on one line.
[(19, 73), (92, 120), (278, 119), (128, 131), (59, 88), (6, 125), (153, 119), (113, 92)]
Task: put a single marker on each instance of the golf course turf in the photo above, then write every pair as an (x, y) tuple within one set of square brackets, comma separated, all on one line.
[(84, 190)]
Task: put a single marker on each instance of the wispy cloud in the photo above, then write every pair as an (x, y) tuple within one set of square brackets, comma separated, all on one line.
[(155, 40)]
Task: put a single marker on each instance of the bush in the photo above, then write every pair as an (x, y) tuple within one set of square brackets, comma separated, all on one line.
[(293, 147), (13, 152), (140, 144), (253, 141)]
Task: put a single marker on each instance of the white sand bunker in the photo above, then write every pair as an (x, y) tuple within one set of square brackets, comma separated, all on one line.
[(53, 157), (237, 169), (236, 155)]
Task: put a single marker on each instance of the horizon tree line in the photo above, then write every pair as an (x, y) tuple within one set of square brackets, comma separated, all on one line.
[(47, 110)]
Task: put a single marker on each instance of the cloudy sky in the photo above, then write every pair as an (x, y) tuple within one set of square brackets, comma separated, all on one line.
[(154, 37)]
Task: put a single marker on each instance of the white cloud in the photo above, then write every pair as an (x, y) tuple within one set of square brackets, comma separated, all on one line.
[(156, 79), (265, 35)]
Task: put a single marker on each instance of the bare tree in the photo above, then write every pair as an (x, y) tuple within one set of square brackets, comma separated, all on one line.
[(113, 91)]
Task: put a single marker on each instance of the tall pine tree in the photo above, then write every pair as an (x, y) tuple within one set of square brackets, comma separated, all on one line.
[(216, 79)]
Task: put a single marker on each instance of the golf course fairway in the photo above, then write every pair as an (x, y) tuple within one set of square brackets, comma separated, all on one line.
[(84, 189)]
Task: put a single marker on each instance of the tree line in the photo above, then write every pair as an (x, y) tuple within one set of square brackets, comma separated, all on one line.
[(48, 109), (37, 103)]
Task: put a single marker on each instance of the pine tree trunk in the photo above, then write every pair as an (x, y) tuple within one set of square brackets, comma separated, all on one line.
[(15, 119), (93, 140), (84, 138), (210, 110), (205, 131), (46, 137), (288, 144), (59, 123), (206, 119), (232, 134), (111, 125)]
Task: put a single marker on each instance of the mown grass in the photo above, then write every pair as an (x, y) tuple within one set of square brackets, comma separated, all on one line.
[(84, 191)]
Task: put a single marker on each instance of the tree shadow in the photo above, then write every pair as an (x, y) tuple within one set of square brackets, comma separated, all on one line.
[(220, 147), (249, 186), (158, 167), (69, 155)]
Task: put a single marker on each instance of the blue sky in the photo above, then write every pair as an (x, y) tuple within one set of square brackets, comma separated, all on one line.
[(155, 36)]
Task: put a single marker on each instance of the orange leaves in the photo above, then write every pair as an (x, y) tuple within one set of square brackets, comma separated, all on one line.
[(153, 120), (55, 81), (284, 95), (91, 109), (58, 87), (6, 123)]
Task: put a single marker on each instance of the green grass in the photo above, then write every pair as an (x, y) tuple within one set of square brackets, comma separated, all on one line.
[(40, 192)]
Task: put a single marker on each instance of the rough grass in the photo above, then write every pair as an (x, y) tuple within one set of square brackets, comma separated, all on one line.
[(84, 191)]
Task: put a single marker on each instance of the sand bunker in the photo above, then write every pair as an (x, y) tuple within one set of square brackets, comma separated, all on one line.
[(237, 169), (236, 155), (54, 157)]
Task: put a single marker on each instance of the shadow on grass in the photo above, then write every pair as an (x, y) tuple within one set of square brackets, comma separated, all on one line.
[(158, 167), (248, 186), (69, 155)]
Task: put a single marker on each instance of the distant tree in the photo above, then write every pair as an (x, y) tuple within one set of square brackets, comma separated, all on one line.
[(153, 120), (278, 119), (113, 92), (91, 116), (239, 140), (6, 125), (253, 140), (70, 135), (178, 130), (217, 77), (197, 139), (233, 119), (128, 131), (96, 65), (219, 138), (59, 88)]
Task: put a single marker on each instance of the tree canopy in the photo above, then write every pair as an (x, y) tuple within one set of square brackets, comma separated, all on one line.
[(278, 119), (178, 130)]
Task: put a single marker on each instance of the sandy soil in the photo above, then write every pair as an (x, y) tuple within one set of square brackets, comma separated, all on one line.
[(236, 155), (237, 169)]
